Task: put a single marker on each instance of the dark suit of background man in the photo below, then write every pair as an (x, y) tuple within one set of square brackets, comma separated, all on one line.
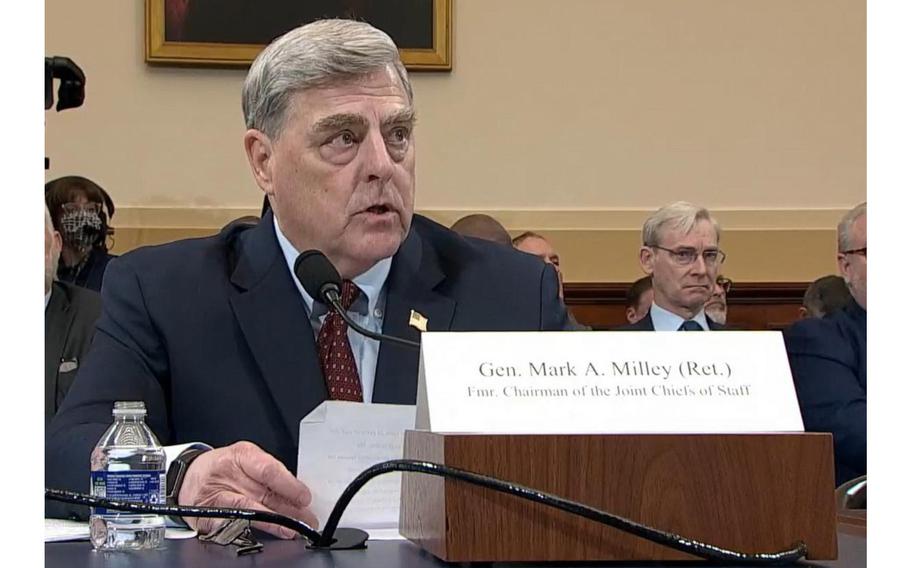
[(219, 339), (534, 243), (680, 252), (70, 313), (828, 357)]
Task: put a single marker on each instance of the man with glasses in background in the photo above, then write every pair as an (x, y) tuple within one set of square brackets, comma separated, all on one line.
[(716, 308), (828, 357), (680, 252)]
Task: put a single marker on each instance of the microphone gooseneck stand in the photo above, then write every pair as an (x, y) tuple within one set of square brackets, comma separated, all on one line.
[(334, 538)]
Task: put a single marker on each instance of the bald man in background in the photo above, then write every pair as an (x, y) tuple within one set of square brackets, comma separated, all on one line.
[(484, 227)]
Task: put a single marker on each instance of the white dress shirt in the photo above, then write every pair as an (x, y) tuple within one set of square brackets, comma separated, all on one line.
[(665, 320), (367, 310)]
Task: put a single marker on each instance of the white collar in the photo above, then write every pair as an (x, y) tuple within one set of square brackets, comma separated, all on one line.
[(369, 282)]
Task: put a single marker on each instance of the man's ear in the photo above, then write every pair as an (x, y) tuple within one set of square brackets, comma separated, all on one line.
[(646, 259), (259, 149), (842, 262), (803, 312)]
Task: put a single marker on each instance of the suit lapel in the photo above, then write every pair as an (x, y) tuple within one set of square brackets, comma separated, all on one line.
[(644, 324), (55, 334), (412, 283), (272, 315)]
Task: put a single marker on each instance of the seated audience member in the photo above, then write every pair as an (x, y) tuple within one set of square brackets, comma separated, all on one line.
[(70, 313), (533, 243), (81, 211), (217, 335), (246, 220), (828, 357), (639, 298), (716, 308), (680, 252), (825, 296), (484, 227)]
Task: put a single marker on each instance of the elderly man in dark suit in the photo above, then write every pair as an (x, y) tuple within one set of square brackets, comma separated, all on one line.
[(70, 313), (223, 343), (680, 252), (828, 357)]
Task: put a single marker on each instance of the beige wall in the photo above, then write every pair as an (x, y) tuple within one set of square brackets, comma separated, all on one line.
[(574, 117)]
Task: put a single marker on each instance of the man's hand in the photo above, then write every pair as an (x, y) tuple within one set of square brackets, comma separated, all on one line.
[(243, 476)]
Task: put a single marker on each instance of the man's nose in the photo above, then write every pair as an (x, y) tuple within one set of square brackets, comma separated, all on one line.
[(378, 163), (699, 266)]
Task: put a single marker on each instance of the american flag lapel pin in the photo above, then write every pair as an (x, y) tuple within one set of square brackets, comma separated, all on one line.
[(418, 321)]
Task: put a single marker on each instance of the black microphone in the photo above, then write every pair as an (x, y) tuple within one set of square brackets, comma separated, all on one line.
[(321, 281)]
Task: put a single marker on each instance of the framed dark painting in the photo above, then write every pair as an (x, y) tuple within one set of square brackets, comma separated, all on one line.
[(233, 32)]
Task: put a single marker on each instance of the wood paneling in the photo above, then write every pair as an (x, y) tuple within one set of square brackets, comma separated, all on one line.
[(747, 492), (751, 305)]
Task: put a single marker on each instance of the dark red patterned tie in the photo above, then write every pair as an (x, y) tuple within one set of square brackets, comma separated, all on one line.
[(335, 355)]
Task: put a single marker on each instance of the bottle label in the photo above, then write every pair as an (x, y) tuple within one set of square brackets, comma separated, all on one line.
[(137, 486)]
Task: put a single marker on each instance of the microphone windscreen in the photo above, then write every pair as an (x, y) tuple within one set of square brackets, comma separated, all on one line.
[(315, 272)]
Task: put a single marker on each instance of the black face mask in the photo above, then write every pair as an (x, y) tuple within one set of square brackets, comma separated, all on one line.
[(81, 229)]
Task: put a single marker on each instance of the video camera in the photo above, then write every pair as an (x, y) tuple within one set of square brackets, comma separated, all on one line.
[(72, 83)]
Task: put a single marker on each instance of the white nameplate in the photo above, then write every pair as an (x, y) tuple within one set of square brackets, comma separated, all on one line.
[(606, 382)]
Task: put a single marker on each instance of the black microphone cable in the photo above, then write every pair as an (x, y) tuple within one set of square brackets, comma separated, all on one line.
[(335, 538)]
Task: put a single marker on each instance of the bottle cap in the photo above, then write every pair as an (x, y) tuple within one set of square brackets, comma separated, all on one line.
[(129, 408)]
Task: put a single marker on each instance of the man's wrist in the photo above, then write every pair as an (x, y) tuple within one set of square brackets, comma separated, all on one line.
[(177, 469)]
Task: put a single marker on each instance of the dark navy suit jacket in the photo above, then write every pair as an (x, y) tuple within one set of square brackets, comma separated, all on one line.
[(213, 335), (828, 360), (69, 323)]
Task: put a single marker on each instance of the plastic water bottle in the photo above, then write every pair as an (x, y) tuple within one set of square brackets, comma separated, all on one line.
[(128, 464)]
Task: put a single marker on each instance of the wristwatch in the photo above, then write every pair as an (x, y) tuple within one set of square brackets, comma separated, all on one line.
[(177, 472)]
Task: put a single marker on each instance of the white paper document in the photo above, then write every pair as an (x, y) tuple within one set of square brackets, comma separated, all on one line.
[(339, 440), (63, 530)]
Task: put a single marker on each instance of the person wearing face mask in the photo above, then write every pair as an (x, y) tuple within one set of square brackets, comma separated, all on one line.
[(70, 314), (828, 357), (80, 210)]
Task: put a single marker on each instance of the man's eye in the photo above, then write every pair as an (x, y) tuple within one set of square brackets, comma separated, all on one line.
[(344, 139), (399, 135), (685, 255)]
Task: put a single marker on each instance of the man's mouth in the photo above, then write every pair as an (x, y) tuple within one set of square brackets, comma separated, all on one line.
[(378, 209)]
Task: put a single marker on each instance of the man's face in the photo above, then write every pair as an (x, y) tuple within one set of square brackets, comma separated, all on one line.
[(340, 175), (716, 308), (636, 313), (678, 287), (52, 245), (853, 266), (545, 251)]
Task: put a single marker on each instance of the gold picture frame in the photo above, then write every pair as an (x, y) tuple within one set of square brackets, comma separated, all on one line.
[(160, 50)]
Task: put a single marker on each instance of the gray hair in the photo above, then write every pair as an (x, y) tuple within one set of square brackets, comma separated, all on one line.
[(680, 215), (317, 54), (844, 228)]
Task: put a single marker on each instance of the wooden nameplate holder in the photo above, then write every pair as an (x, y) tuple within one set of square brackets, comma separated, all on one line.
[(746, 492)]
